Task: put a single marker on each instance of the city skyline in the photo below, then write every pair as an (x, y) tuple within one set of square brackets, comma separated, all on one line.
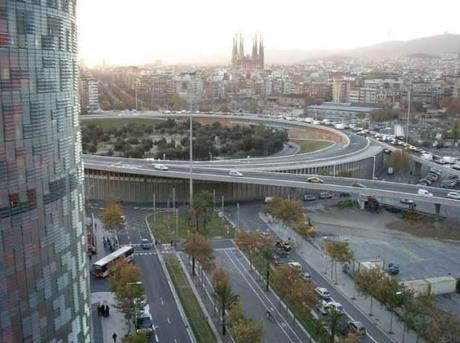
[(157, 31)]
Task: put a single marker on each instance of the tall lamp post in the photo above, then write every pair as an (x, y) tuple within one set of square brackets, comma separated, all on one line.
[(191, 156)]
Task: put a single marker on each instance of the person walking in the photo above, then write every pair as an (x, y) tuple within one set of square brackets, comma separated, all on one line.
[(107, 310), (114, 336)]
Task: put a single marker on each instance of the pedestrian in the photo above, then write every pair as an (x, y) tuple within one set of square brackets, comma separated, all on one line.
[(107, 310), (171, 243), (114, 336), (90, 255), (99, 310)]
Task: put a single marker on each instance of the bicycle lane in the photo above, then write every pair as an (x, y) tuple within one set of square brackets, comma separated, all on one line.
[(255, 301)]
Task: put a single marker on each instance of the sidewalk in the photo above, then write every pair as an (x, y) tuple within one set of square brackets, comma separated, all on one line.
[(345, 285), (114, 323)]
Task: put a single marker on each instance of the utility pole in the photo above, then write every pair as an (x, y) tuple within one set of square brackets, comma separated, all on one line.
[(238, 216), (174, 198), (408, 115), (191, 158), (154, 208)]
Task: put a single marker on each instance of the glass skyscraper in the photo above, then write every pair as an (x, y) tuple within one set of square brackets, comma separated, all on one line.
[(44, 283)]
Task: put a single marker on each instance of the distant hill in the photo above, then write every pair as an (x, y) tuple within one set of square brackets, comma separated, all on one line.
[(427, 47), (434, 45)]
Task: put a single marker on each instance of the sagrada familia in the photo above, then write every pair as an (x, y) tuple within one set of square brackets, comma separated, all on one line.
[(253, 61)]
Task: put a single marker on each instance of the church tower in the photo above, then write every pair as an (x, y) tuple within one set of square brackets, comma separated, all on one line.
[(261, 53)]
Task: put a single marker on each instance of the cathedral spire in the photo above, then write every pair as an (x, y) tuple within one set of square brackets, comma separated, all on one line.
[(235, 50), (261, 52), (241, 49), (255, 53)]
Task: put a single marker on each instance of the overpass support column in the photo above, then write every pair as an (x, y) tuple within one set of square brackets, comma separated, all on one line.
[(417, 168), (438, 209)]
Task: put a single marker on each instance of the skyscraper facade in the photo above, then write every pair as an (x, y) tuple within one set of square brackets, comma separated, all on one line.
[(44, 281)]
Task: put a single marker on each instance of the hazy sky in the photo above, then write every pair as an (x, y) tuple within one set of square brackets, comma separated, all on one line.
[(142, 31)]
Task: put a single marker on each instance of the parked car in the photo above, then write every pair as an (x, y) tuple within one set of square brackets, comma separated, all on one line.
[(235, 173), (323, 293), (306, 276), (356, 327), (325, 195), (359, 185), (314, 179), (309, 197), (159, 166), (424, 192), (295, 265), (407, 201), (286, 246), (454, 195), (144, 322), (392, 269)]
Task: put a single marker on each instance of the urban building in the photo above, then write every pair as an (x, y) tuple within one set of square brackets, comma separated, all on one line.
[(44, 280), (340, 110), (89, 95), (254, 61)]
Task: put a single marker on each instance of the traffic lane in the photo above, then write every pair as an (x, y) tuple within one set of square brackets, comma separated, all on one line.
[(166, 316), (169, 325), (252, 299), (373, 333)]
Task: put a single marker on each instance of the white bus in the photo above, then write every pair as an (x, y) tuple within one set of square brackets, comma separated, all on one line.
[(106, 265)]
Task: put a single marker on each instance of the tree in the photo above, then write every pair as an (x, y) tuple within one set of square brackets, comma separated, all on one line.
[(219, 276), (225, 298), (456, 131), (178, 103), (338, 252), (243, 328), (251, 243), (267, 257), (135, 337), (199, 248), (111, 215), (128, 290), (399, 161), (202, 210), (367, 282), (333, 321)]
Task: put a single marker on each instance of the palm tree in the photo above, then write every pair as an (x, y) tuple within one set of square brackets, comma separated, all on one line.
[(225, 299), (267, 256)]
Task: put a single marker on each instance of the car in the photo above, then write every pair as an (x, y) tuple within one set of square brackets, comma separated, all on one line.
[(282, 254), (424, 192), (359, 185), (392, 269), (344, 195), (454, 195), (159, 166), (407, 201), (435, 171), (295, 265), (328, 305), (325, 195), (306, 276), (309, 197), (286, 246), (356, 327), (314, 179), (144, 322), (456, 166), (146, 244), (452, 177), (235, 173), (323, 293), (449, 183)]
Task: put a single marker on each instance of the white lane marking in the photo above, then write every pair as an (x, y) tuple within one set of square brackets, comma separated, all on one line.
[(156, 338), (168, 320), (162, 301)]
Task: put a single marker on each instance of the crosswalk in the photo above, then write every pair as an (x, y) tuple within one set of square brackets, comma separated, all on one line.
[(144, 253)]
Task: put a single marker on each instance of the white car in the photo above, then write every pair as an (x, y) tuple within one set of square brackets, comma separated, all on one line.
[(323, 293), (295, 265), (454, 195), (326, 306), (424, 192), (160, 167), (235, 173)]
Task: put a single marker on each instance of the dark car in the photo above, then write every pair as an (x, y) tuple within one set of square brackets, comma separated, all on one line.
[(344, 195), (286, 246), (359, 185), (392, 269), (356, 327)]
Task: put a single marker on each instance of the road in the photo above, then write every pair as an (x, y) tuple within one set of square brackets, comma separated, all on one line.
[(169, 325), (252, 222), (334, 184)]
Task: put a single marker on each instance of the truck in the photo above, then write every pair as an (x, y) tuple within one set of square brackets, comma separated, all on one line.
[(399, 132)]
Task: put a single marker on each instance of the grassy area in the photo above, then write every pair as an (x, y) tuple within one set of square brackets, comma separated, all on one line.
[(118, 122), (164, 227), (195, 315), (310, 145)]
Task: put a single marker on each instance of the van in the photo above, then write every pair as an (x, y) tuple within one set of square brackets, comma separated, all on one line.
[(295, 265), (424, 192), (323, 293)]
